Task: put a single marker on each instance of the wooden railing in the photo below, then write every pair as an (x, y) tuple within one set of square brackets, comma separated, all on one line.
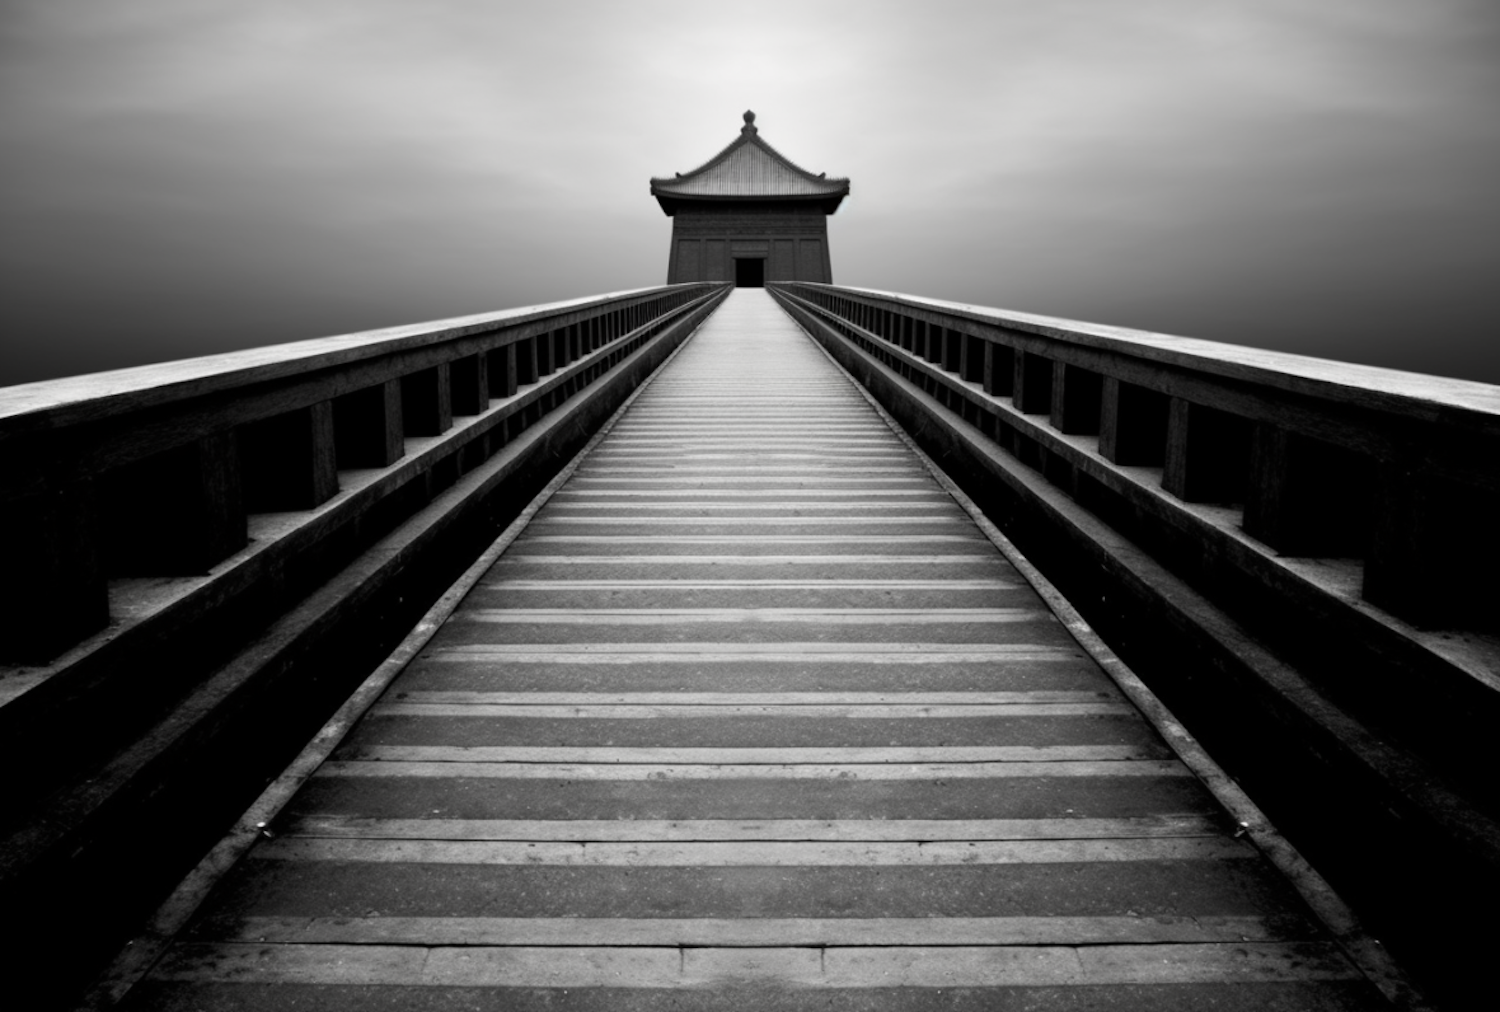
[(170, 470), (201, 559), (201, 555), (1301, 553)]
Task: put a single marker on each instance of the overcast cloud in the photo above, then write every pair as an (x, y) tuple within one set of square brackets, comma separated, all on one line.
[(184, 176)]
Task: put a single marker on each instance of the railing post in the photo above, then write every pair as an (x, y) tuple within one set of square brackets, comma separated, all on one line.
[(1207, 454), (1305, 497), (470, 384), (527, 369), (952, 350), (545, 347), (1031, 391), (502, 371), (367, 426), (1434, 544), (1132, 424), (53, 593), (935, 349), (1076, 393), (290, 460), (175, 513), (426, 405), (999, 369)]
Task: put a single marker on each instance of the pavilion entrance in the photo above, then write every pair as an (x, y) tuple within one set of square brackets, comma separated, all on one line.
[(749, 272)]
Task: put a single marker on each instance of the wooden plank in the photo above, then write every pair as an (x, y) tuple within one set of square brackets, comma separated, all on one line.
[(799, 616), (616, 711), (753, 853), (781, 756), (355, 827), (765, 932), (765, 771), (738, 699), (831, 967), (903, 654)]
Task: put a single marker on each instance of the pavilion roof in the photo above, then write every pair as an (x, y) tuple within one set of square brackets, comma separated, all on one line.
[(749, 169)]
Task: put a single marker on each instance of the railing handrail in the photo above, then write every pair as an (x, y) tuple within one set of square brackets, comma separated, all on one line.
[(94, 396), (1417, 395)]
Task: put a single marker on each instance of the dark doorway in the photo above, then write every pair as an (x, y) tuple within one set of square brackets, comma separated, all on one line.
[(750, 273)]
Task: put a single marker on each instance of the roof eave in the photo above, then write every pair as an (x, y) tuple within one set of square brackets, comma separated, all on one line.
[(828, 201)]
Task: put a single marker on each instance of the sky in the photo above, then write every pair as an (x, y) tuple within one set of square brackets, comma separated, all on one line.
[(183, 177)]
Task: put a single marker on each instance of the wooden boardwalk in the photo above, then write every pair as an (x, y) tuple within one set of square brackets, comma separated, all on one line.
[(753, 716)]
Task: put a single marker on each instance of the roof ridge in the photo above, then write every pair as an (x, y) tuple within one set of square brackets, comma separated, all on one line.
[(749, 134)]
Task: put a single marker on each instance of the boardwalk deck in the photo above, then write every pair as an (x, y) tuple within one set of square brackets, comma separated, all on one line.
[(753, 716)]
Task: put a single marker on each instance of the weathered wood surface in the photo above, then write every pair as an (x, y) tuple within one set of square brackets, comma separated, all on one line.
[(753, 716)]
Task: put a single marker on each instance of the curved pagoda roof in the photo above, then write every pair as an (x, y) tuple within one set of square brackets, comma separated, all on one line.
[(749, 169)]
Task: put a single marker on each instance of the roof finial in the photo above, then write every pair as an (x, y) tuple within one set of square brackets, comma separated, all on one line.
[(749, 127)]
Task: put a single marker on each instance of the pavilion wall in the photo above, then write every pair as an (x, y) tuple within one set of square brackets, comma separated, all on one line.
[(791, 238)]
